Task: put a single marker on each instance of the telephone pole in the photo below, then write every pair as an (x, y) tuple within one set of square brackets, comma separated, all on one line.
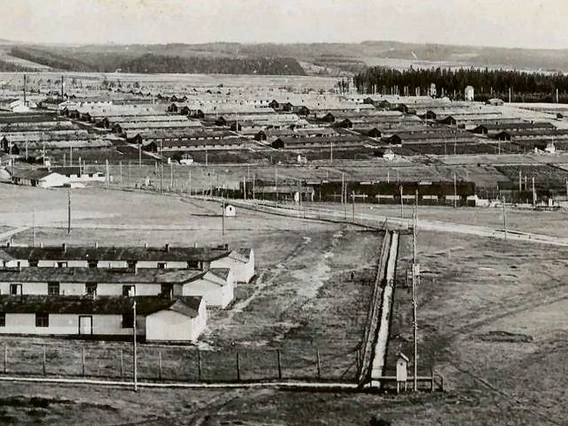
[(34, 227), (401, 203), (415, 279), (455, 191), (353, 202), (68, 213), (504, 218), (223, 218), (533, 193), (135, 360)]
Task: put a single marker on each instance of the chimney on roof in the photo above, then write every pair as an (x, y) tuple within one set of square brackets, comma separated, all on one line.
[(8, 243), (64, 247), (96, 244), (167, 248), (41, 245), (145, 244)]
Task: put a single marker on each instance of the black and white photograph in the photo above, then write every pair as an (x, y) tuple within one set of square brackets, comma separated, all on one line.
[(283, 212)]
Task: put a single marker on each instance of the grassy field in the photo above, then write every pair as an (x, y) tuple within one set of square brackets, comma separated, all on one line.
[(311, 291), (521, 220), (492, 319)]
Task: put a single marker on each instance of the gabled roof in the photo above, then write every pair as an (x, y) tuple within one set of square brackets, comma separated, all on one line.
[(98, 275), (181, 254), (187, 306), (32, 174), (101, 305)]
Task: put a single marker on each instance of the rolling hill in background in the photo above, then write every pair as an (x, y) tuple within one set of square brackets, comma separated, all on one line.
[(329, 59)]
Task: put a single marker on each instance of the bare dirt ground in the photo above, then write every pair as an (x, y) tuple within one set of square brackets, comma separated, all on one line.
[(492, 320), (539, 222)]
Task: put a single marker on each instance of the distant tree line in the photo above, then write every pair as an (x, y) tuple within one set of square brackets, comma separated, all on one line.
[(10, 67), (525, 86), (155, 63)]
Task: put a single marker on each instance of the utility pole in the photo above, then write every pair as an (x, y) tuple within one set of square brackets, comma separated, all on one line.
[(415, 278), (253, 186), (171, 176), (520, 181), (401, 202), (140, 155), (189, 182), (223, 219), (455, 191), (533, 193), (33, 226), (342, 187), (134, 354), (161, 176), (107, 173), (353, 200), (331, 153), (68, 212), (504, 218)]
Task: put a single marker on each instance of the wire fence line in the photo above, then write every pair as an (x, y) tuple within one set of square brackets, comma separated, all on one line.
[(178, 363)]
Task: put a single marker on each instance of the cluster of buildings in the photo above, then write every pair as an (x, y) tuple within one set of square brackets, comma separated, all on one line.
[(91, 291), (265, 125)]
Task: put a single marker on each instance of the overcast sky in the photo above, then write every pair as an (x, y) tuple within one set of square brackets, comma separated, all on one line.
[(510, 23)]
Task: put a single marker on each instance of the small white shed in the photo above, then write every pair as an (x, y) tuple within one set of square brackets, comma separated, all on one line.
[(401, 371), (183, 321), (230, 211)]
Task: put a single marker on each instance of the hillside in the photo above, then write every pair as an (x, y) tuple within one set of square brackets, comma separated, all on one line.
[(284, 59), (155, 61)]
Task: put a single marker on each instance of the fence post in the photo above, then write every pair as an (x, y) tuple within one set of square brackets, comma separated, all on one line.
[(198, 365), (121, 363), (319, 363), (279, 364), (160, 365), (238, 368), (83, 360), (5, 359), (44, 361)]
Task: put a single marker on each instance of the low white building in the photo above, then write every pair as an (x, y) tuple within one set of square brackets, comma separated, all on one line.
[(240, 260), (157, 318), (41, 178), (79, 174), (215, 285)]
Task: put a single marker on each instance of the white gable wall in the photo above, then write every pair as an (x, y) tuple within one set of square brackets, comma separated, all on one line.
[(172, 326), (242, 271), (213, 293)]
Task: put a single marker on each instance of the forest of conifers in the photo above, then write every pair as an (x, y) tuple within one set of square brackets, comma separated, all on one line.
[(525, 86)]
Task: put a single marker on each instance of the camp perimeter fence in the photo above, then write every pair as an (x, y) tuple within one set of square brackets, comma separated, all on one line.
[(185, 364)]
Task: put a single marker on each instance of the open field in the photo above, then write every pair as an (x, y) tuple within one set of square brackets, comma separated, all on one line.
[(192, 80), (549, 223), (311, 293), (493, 316)]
